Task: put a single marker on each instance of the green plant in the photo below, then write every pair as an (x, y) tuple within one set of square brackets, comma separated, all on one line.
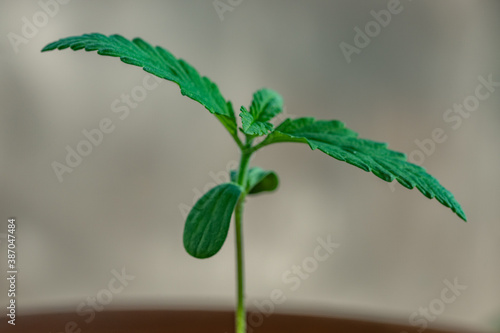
[(208, 222)]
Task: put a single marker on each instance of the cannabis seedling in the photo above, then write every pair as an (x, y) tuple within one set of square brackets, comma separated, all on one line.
[(208, 222)]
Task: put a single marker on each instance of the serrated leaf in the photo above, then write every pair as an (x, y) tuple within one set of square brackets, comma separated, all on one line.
[(208, 221), (159, 62), (266, 104), (252, 127), (258, 180), (341, 143)]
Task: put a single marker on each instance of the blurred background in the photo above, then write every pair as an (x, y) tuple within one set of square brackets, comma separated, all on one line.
[(122, 207)]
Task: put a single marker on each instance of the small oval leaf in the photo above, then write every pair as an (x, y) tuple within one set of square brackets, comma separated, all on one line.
[(259, 180), (208, 221)]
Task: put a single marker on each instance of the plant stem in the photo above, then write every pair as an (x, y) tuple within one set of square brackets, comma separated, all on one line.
[(238, 214), (240, 308)]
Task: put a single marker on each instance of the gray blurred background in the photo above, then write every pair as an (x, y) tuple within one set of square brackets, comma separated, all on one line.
[(121, 208)]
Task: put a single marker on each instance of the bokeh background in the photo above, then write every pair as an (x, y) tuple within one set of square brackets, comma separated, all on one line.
[(121, 208)]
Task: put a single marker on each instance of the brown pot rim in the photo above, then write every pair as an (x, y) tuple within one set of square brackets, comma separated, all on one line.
[(189, 320)]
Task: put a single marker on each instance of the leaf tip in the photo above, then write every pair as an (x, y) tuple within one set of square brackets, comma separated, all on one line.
[(49, 47), (461, 214)]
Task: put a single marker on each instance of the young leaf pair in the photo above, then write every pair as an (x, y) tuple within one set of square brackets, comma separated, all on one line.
[(208, 222)]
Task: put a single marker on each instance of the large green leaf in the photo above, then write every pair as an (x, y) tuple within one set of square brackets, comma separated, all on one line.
[(208, 221), (258, 180), (265, 105), (159, 62), (337, 141)]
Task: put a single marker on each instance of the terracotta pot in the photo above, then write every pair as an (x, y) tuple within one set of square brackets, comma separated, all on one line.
[(195, 321)]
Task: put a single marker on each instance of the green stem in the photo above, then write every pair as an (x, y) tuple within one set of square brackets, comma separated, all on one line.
[(258, 146), (240, 308), (242, 180), (238, 141), (234, 134)]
